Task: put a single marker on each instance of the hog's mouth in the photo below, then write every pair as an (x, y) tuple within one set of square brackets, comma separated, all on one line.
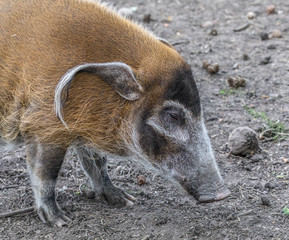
[(212, 197), (205, 193)]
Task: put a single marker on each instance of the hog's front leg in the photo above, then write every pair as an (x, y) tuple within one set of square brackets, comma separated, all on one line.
[(95, 167), (44, 163)]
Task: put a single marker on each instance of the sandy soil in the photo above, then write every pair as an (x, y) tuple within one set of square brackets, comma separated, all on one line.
[(259, 185)]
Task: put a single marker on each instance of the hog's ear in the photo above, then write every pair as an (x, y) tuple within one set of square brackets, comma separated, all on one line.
[(118, 75)]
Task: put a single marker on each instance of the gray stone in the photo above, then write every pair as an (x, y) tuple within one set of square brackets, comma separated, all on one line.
[(243, 141)]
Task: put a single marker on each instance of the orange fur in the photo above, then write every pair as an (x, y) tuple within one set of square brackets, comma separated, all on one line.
[(41, 40)]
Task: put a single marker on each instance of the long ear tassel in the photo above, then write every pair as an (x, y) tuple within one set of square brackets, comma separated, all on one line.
[(119, 75), (63, 84)]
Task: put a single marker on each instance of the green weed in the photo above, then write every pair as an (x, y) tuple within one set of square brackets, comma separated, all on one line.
[(272, 130), (286, 210), (228, 91)]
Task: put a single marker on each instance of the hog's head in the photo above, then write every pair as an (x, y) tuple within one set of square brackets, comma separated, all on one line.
[(171, 131)]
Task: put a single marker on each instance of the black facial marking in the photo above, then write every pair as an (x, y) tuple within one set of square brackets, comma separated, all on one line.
[(151, 142), (183, 89)]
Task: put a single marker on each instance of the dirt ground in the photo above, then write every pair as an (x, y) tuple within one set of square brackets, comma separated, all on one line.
[(259, 185)]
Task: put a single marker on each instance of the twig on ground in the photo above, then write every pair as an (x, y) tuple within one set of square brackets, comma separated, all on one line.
[(10, 186), (244, 213), (16, 212)]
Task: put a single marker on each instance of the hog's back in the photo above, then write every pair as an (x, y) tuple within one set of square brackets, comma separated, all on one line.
[(41, 40)]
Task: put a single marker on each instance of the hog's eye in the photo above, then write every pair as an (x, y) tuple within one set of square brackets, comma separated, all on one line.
[(174, 116)]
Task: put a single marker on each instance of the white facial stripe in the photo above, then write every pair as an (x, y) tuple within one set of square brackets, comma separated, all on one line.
[(179, 134), (203, 148)]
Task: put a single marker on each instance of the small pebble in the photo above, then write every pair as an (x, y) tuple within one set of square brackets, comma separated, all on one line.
[(236, 66), (271, 9), (257, 157), (251, 15), (212, 69), (141, 180), (161, 221), (264, 36), (212, 118), (206, 64), (265, 201), (147, 18), (265, 60), (207, 24), (271, 46), (258, 186), (269, 185), (90, 194), (236, 82), (198, 230), (214, 32), (245, 57), (276, 34), (247, 168)]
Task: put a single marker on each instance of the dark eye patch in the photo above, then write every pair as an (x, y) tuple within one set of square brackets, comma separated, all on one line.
[(172, 115), (183, 89)]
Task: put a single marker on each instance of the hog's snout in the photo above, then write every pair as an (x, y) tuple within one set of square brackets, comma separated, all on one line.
[(207, 192), (211, 197)]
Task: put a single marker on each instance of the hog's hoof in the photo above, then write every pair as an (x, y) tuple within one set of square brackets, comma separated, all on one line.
[(114, 196), (54, 218)]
